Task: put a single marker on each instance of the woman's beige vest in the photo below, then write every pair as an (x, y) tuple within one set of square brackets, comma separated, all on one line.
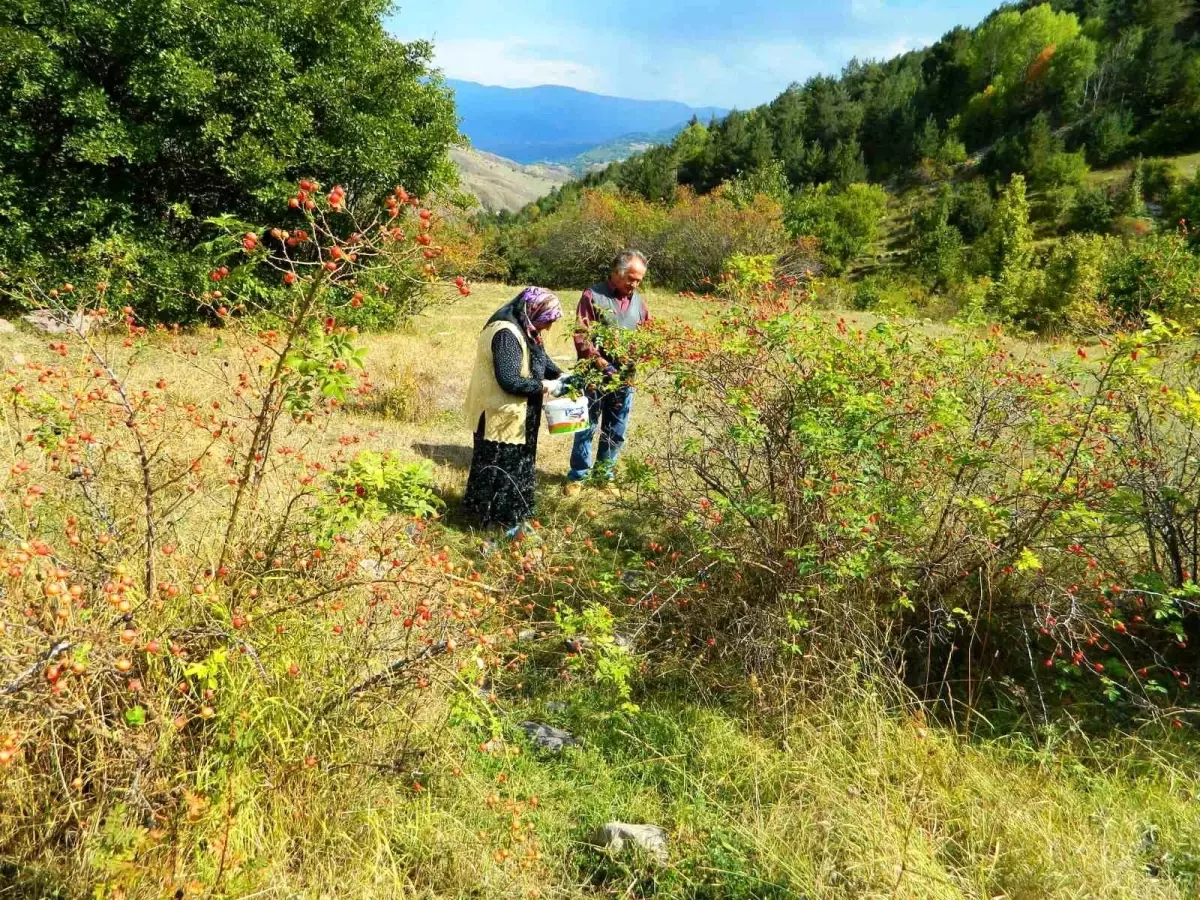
[(503, 413)]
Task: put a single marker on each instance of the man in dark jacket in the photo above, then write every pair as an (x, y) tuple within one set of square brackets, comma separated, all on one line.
[(615, 303)]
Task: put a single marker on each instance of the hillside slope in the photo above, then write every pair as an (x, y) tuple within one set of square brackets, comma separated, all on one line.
[(1029, 85), (500, 183), (620, 149), (553, 123)]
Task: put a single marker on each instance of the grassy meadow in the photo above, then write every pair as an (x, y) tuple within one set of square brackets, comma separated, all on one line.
[(897, 596), (763, 796)]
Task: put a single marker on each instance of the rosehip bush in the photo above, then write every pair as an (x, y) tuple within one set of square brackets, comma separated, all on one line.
[(180, 649), (956, 511)]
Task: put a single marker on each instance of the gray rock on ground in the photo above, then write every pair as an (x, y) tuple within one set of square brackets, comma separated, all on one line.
[(52, 321), (7, 327), (375, 568), (547, 737), (616, 837)]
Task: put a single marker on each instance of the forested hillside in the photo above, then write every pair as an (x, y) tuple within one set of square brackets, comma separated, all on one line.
[(901, 168), (1111, 79), (551, 123)]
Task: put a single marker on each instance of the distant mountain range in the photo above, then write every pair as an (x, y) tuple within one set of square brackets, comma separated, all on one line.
[(558, 124)]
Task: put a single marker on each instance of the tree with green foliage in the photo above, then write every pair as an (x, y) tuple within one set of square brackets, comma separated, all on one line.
[(846, 223), (1109, 135), (141, 119), (1158, 274), (1039, 151), (938, 246), (768, 181), (1092, 210), (1008, 254), (1183, 205), (1130, 199), (1071, 286), (1008, 242), (1035, 56), (971, 213), (652, 175)]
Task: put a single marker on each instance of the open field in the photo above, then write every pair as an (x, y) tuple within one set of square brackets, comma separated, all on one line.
[(850, 798), (1186, 165), (420, 374)]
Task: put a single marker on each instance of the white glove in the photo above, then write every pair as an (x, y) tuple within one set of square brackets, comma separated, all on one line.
[(554, 388)]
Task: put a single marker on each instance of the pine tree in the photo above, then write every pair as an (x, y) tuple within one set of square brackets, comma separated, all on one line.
[(1009, 239), (1009, 242)]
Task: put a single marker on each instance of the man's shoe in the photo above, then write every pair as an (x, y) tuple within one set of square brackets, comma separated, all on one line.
[(572, 489), (611, 490)]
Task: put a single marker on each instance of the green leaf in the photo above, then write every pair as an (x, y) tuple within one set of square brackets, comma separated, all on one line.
[(1028, 561)]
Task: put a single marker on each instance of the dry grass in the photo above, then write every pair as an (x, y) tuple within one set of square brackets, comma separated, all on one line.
[(420, 375), (847, 801), (1186, 165)]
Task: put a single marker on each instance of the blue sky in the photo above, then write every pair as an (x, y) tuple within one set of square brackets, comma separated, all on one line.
[(703, 52)]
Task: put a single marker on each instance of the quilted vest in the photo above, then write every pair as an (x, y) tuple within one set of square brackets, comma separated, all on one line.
[(503, 413), (606, 305)]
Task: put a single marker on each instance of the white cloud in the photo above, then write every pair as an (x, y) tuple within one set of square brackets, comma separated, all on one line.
[(705, 73), (514, 63), (866, 10), (741, 75), (880, 48), (702, 73)]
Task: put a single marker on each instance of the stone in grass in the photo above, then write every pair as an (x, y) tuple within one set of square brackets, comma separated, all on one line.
[(54, 322), (7, 327), (547, 737), (616, 837), (376, 568)]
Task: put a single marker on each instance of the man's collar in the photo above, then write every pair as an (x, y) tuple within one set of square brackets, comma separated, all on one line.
[(616, 293)]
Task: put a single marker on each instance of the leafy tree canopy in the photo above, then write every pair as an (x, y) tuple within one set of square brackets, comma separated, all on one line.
[(123, 114)]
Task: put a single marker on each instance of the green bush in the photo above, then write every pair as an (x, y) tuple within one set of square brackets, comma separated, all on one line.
[(138, 122), (938, 250), (688, 241), (371, 487), (972, 209), (1060, 169), (1159, 178), (1006, 251), (1130, 198), (1093, 210), (746, 273), (1183, 204), (846, 223), (768, 181), (1158, 274), (1070, 295), (1109, 136), (908, 500), (887, 295)]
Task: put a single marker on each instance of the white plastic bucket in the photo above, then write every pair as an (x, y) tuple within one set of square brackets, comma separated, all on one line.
[(566, 416)]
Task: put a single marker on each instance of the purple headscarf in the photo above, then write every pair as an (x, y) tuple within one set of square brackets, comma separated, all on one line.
[(542, 308)]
